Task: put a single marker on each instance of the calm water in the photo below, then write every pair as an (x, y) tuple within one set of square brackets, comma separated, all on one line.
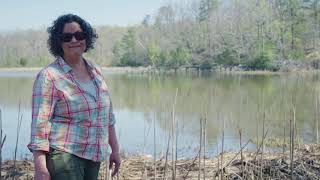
[(229, 103)]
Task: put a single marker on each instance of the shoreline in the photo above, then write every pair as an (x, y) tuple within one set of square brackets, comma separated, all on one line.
[(104, 69), (115, 70), (229, 165)]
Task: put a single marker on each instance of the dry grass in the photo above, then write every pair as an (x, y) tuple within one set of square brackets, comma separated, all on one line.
[(306, 165)]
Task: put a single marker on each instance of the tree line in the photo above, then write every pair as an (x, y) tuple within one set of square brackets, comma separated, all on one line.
[(255, 34)]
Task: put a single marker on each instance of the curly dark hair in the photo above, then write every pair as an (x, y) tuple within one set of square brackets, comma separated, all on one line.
[(55, 31)]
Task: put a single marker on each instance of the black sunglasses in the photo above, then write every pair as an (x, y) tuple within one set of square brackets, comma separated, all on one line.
[(67, 37)]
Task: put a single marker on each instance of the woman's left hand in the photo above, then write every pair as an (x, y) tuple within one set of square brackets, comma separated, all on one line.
[(116, 160)]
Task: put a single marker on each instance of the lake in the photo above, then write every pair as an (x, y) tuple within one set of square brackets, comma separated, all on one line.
[(145, 105)]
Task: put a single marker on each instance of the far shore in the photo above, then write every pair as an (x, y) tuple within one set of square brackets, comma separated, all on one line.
[(115, 70), (104, 69)]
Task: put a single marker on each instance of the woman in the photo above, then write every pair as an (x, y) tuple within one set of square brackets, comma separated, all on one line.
[(72, 116)]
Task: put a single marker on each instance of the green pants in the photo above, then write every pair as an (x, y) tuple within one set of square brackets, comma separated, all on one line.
[(65, 166)]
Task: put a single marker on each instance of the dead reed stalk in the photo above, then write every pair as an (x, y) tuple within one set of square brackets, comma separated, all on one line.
[(204, 146), (17, 139), (176, 147), (166, 157), (154, 147), (262, 147), (145, 135), (284, 133), (241, 153), (200, 148), (174, 138), (1, 143), (292, 137), (317, 118), (222, 152)]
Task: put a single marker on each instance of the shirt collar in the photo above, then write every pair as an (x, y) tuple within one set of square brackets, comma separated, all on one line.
[(66, 68)]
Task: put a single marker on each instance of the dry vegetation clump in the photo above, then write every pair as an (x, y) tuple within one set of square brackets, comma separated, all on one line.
[(252, 166), (306, 165)]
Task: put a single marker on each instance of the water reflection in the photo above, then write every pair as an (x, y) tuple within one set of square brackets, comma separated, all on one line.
[(228, 102)]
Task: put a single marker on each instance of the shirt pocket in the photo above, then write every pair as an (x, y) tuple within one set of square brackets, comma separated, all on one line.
[(73, 106), (72, 111)]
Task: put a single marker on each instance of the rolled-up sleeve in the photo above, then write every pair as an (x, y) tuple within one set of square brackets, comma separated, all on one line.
[(43, 103)]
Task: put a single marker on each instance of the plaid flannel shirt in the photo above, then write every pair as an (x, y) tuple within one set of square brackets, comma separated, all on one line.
[(62, 113)]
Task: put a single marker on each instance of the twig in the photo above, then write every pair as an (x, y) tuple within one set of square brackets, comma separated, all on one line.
[(193, 162), (237, 153), (264, 137), (4, 139)]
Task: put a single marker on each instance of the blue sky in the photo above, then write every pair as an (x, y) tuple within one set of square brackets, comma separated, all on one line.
[(38, 14)]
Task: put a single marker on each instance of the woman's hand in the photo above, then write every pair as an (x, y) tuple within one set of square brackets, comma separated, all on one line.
[(116, 161), (42, 174), (115, 155), (40, 166)]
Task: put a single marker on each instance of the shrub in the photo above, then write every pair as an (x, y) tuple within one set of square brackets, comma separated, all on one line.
[(23, 61), (261, 62), (228, 57)]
